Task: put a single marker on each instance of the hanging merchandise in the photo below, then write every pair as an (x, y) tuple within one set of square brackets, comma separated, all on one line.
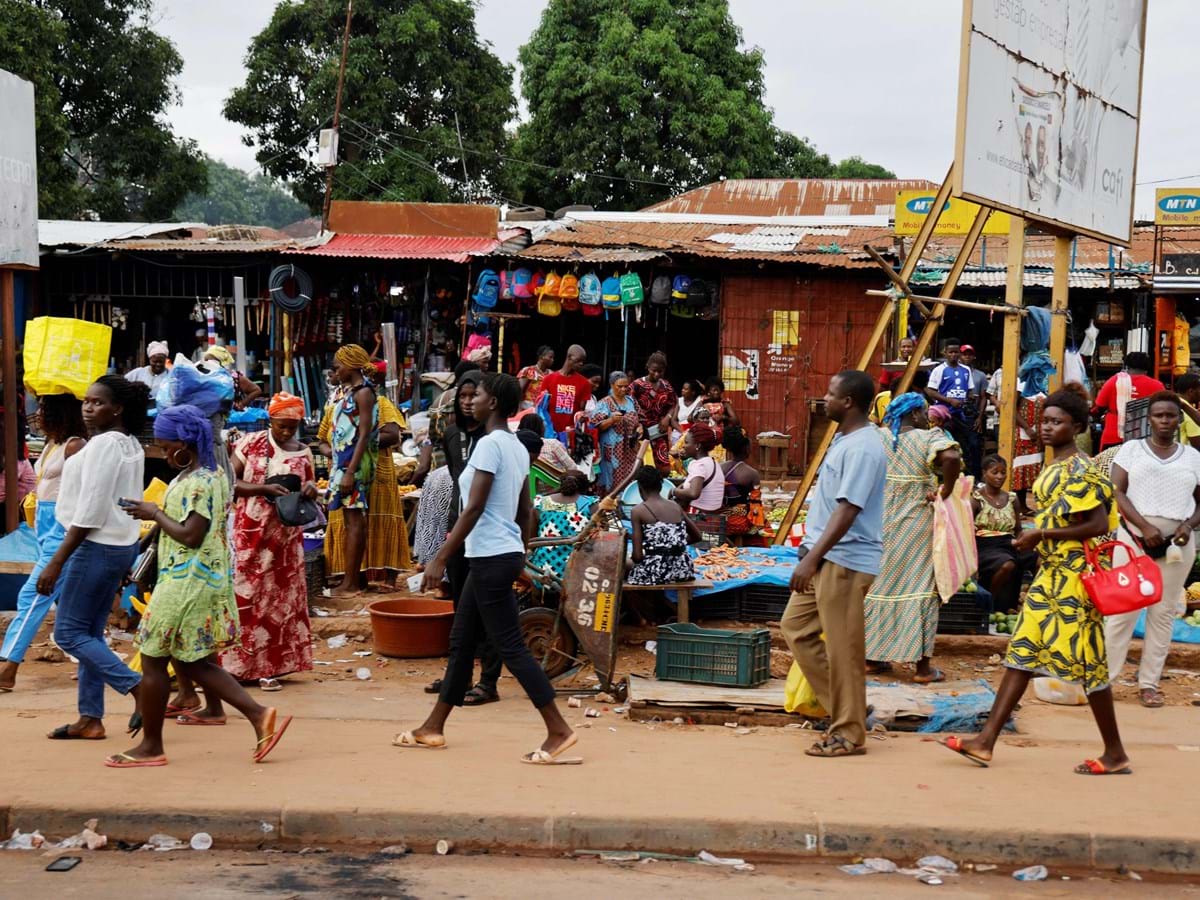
[(568, 292), (680, 286), (537, 285), (552, 286), (1074, 369), (698, 297), (632, 292), (1182, 346), (610, 292), (660, 291), (291, 288), (487, 289), (64, 356), (1088, 347), (589, 291), (713, 309), (506, 285), (548, 303), (522, 284)]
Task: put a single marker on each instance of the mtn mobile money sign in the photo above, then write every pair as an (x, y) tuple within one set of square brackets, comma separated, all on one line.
[(1049, 99), (957, 215), (18, 173), (1177, 206)]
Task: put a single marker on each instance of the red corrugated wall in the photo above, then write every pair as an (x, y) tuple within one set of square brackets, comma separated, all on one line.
[(834, 322)]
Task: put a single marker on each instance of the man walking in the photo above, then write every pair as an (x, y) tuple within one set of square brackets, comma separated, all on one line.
[(839, 558), (951, 384)]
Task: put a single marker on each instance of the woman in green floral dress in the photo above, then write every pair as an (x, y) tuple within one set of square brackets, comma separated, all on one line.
[(192, 614)]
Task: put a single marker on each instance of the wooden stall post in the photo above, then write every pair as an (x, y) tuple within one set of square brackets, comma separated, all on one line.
[(1013, 296), (239, 320), (8, 323), (1058, 308)]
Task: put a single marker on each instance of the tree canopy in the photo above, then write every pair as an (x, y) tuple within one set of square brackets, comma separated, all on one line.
[(413, 65), (103, 80), (631, 101), (236, 197)]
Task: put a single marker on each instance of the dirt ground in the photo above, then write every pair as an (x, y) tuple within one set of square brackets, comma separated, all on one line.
[(109, 875)]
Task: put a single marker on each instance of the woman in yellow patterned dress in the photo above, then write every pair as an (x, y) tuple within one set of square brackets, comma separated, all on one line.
[(1059, 632), (387, 535)]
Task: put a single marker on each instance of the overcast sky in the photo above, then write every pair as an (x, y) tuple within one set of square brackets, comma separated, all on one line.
[(877, 78)]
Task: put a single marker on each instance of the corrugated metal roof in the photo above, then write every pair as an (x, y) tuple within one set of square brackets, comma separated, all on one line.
[(203, 245), (566, 253), (403, 246), (1077, 279), (69, 233), (794, 196)]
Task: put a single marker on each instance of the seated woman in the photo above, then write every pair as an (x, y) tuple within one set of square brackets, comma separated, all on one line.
[(996, 524), (744, 519), (661, 533), (560, 515)]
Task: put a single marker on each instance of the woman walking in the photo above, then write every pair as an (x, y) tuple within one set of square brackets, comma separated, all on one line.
[(62, 423), (1157, 481), (492, 527), (355, 448), (616, 419), (655, 399), (1059, 633), (193, 614), (901, 613), (387, 535), (99, 545), (268, 556)]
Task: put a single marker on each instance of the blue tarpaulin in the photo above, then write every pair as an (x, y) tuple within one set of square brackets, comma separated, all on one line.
[(1182, 632), (18, 546), (760, 565)]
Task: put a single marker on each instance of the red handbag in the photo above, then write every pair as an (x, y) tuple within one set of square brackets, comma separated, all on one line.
[(1122, 589)]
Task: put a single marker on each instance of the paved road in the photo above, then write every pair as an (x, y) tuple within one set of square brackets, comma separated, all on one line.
[(336, 876)]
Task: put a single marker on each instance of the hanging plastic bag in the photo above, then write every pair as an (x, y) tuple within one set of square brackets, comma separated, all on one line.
[(64, 356), (955, 558), (799, 697), (211, 392)]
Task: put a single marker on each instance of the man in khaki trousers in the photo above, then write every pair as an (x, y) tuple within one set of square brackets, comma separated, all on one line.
[(839, 558)]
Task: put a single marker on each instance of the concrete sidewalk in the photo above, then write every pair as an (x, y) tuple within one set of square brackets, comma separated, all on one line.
[(335, 779)]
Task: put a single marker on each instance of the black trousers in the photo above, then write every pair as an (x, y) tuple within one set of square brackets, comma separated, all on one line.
[(457, 569), (487, 609)]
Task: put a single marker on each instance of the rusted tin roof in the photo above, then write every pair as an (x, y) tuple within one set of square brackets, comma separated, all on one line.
[(795, 197)]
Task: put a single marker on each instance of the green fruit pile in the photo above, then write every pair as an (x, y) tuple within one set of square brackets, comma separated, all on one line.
[(1005, 623), (1193, 619)]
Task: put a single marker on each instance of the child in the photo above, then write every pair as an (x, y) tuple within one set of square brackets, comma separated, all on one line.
[(996, 524), (661, 533)]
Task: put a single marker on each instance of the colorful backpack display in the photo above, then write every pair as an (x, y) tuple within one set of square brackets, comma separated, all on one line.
[(522, 284), (680, 286), (549, 305), (487, 289), (589, 290), (551, 287), (506, 285), (610, 292), (632, 292), (568, 292), (660, 291), (698, 296)]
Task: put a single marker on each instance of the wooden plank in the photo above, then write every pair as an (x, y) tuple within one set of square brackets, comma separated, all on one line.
[(8, 326), (1013, 296), (680, 585), (15, 568), (1058, 307), (682, 694)]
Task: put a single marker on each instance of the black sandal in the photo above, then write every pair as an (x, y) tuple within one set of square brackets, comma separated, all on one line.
[(480, 696), (135, 724), (434, 687), (64, 733)]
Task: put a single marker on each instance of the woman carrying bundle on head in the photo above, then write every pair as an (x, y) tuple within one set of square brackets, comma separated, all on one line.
[(193, 615)]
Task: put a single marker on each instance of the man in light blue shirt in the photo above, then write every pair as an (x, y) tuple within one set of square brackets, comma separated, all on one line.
[(839, 558)]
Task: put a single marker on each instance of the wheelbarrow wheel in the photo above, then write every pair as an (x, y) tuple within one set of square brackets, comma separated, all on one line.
[(537, 629)]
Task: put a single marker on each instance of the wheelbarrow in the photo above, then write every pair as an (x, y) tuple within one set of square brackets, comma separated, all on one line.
[(583, 628)]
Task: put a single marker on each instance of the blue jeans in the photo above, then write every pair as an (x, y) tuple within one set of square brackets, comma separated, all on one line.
[(32, 606), (87, 585)]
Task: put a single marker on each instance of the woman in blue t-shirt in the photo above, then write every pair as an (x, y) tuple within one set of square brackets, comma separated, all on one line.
[(492, 528)]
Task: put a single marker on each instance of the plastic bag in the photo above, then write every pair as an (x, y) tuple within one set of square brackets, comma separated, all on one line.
[(799, 697), (64, 356), (955, 557), (1055, 690), (210, 392)]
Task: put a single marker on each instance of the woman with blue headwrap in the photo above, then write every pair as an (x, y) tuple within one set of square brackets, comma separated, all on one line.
[(192, 614), (901, 611)]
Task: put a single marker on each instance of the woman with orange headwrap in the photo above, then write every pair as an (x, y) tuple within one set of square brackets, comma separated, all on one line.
[(272, 595)]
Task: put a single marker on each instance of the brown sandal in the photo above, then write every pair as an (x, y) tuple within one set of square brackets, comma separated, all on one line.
[(835, 745), (1151, 698)]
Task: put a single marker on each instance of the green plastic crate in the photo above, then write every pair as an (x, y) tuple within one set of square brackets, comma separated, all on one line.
[(687, 652)]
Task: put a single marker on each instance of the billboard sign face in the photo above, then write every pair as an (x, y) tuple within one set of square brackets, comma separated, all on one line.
[(18, 173), (1049, 98), (913, 206), (1177, 206)]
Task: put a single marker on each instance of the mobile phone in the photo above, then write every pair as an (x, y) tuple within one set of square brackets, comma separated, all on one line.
[(64, 864), (124, 503)]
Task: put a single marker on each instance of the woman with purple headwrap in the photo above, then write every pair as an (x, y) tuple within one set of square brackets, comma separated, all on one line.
[(192, 614)]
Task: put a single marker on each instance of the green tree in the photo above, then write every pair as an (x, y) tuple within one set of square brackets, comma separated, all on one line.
[(234, 197), (412, 66), (857, 167), (651, 97), (105, 81)]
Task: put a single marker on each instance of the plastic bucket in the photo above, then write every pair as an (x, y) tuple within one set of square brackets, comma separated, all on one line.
[(411, 627)]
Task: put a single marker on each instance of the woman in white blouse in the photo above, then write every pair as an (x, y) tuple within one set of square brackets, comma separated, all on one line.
[(1158, 491), (100, 545)]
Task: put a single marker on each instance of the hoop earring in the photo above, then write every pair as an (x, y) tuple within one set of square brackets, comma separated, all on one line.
[(175, 458)]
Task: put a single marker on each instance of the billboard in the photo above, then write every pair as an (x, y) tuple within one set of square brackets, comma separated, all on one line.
[(18, 173), (1048, 106), (1177, 206), (957, 215)]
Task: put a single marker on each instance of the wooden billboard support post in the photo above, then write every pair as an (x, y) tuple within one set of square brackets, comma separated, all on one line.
[(1058, 308), (1013, 297), (8, 325)]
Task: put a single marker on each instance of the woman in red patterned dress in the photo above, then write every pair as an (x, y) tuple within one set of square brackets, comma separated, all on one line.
[(272, 595), (655, 399)]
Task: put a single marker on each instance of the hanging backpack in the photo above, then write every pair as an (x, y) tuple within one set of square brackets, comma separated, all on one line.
[(680, 286), (698, 297), (548, 305), (487, 289), (660, 291), (568, 293), (589, 291), (632, 292), (610, 293), (522, 284), (712, 310), (551, 286), (506, 285)]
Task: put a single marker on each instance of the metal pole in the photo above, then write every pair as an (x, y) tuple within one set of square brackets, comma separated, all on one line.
[(239, 320), (337, 114), (1013, 296), (8, 323)]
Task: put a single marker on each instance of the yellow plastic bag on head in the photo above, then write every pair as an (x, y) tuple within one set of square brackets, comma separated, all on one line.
[(64, 356), (799, 697)]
